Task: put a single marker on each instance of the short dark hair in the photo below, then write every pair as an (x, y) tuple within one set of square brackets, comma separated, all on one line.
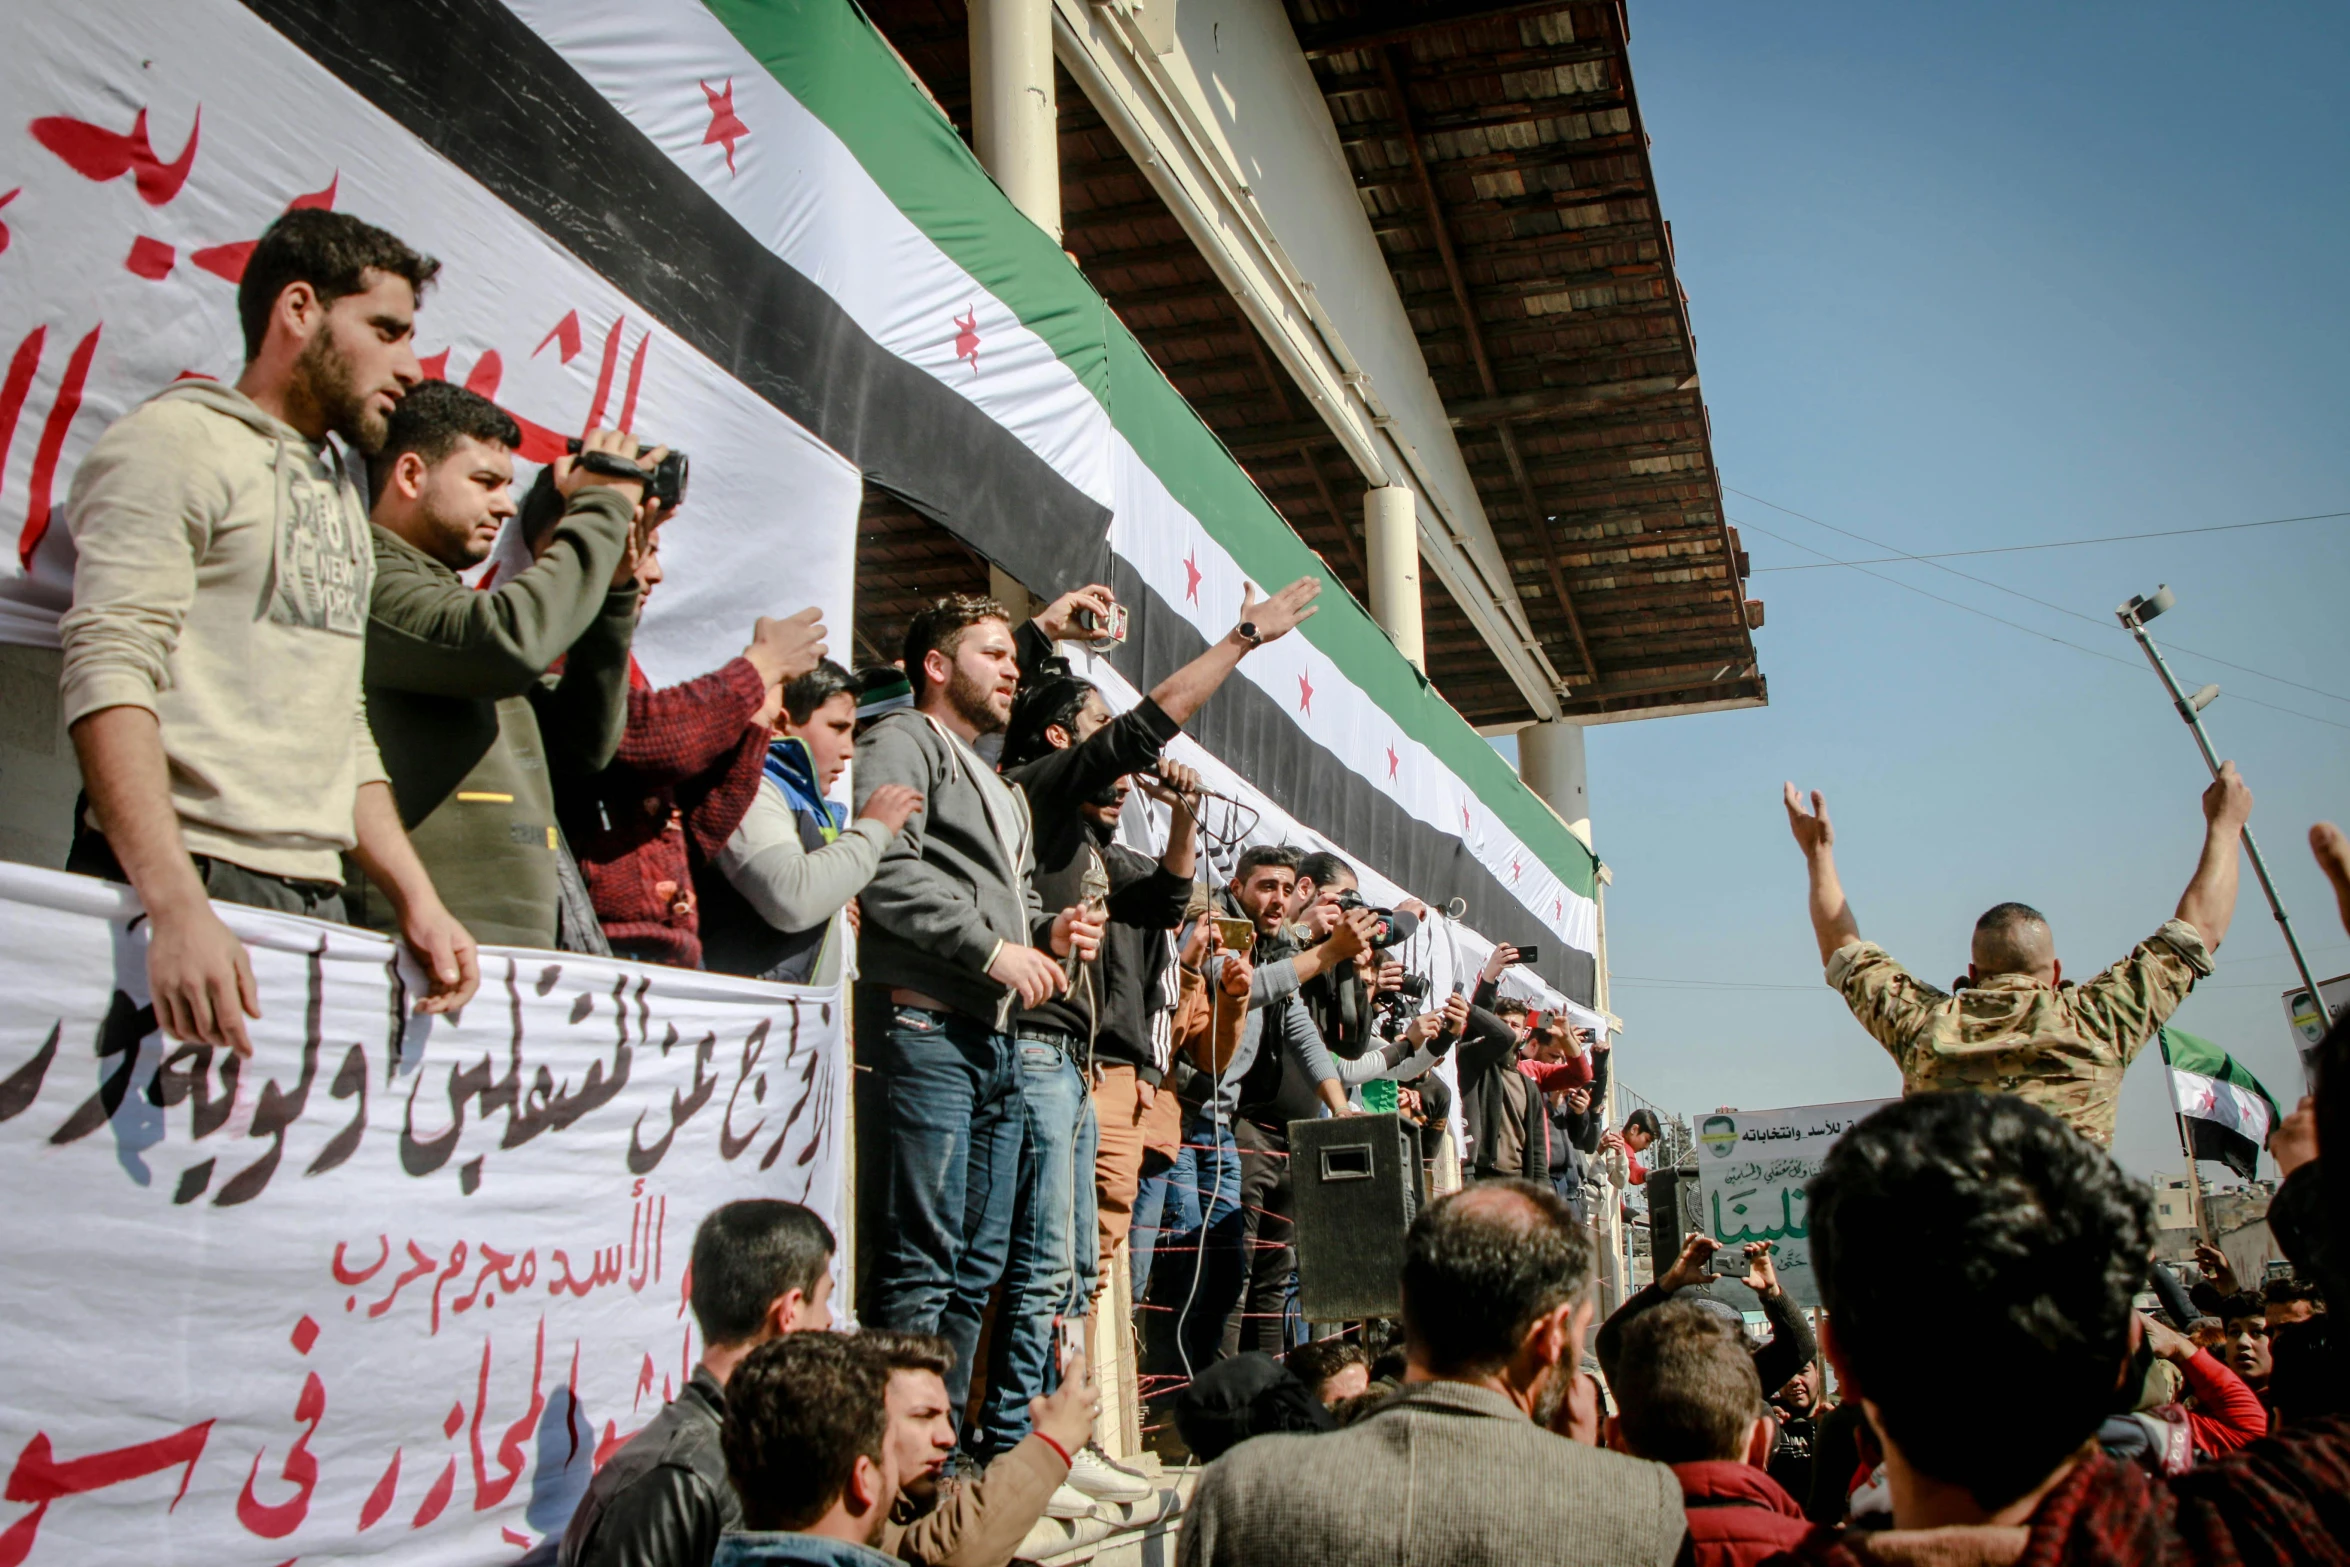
[(432, 419), (332, 252), (1278, 855), (2029, 1233), (1644, 1119), (1688, 1385), (1318, 1360), (2243, 1304), (748, 1253), (804, 694), (1055, 699), (800, 1411), (911, 1351), (1322, 868), (1478, 1272), (2001, 931), (1510, 1006), (941, 623), (2286, 1290)]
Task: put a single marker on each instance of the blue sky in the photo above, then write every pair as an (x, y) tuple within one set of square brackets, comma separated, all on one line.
[(1975, 276)]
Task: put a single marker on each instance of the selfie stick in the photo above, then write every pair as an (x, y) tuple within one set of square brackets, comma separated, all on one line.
[(2133, 616)]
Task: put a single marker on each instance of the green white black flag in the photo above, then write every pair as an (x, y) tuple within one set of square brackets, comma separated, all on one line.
[(2228, 1115)]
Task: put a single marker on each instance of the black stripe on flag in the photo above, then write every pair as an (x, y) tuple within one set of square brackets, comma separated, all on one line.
[(470, 80), (2223, 1145)]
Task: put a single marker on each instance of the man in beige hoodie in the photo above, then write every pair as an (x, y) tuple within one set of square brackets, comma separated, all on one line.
[(214, 648)]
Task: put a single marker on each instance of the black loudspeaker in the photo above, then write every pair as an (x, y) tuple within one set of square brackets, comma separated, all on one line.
[(1355, 1183), (1673, 1212)]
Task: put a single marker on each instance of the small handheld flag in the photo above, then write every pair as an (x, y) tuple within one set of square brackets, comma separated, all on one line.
[(2224, 1112)]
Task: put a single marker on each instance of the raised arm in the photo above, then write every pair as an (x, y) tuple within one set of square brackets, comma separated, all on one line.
[(1831, 916), (2209, 903), (1184, 692)]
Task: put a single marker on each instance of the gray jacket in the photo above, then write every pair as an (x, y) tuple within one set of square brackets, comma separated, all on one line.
[(953, 888), (1444, 1473)]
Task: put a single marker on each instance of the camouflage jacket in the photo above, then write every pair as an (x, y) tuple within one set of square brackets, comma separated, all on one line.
[(2064, 1047)]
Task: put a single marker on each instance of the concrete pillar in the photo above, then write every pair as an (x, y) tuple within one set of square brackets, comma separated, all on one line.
[(1391, 538), (1014, 127), (1550, 760)]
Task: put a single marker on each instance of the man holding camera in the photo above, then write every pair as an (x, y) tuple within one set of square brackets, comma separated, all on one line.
[(472, 725), (683, 778)]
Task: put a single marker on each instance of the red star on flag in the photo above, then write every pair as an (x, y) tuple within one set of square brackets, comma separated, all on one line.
[(1465, 824), (1558, 910), (725, 128), (1393, 762), (1191, 576), (1515, 867), (967, 337), (1305, 695)]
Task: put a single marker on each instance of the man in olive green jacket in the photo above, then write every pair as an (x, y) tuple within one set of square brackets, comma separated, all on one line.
[(476, 695)]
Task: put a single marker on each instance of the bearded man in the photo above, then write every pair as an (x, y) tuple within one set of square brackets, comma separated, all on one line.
[(214, 648), (480, 699), (955, 943)]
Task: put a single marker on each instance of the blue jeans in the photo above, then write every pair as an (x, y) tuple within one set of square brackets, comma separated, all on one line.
[(1199, 1280), (955, 1132), (1054, 1245)]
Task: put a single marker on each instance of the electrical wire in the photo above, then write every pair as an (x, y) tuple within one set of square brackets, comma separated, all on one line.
[(2000, 587), (2017, 625), (2055, 544)]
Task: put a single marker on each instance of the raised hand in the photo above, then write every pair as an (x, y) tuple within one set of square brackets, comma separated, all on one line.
[(1814, 833), (783, 650), (2331, 845), (1058, 620), (1762, 1274), (1690, 1267), (1277, 616)]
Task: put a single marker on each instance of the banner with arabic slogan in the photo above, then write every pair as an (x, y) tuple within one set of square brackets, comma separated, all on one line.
[(1752, 1167), (393, 1287)]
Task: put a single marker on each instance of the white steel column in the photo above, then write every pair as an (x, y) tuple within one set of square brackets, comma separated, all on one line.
[(1014, 126), (1391, 540), (1550, 760)]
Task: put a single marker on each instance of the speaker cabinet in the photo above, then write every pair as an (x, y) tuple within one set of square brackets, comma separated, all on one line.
[(1356, 1181)]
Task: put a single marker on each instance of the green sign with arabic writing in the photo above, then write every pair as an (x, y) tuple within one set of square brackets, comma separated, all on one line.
[(1753, 1167)]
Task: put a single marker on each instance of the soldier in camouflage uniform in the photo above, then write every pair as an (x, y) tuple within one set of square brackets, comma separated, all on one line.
[(2015, 1026)]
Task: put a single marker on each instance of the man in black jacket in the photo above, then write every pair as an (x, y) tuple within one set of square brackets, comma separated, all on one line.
[(761, 1269), (1070, 758)]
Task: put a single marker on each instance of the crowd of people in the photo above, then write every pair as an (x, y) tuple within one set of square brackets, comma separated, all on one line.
[(284, 692)]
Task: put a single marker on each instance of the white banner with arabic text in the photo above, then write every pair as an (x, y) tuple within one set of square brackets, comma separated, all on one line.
[(389, 1289), (1753, 1166)]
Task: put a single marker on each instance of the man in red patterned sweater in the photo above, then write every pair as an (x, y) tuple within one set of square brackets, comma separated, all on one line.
[(686, 772)]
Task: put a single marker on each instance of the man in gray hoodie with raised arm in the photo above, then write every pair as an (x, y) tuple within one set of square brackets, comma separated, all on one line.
[(955, 943), (214, 649)]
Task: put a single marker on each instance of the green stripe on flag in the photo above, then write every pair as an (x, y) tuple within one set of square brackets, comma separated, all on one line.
[(2192, 1053), (829, 57)]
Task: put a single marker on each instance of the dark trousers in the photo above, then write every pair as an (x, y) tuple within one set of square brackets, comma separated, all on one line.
[(953, 1133), (92, 855), (1270, 1300)]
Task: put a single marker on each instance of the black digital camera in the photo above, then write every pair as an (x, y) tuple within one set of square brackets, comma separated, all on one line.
[(664, 482), (1390, 931)]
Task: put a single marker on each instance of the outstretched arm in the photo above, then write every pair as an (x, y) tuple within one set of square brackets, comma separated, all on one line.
[(1831, 916), (2209, 903), (1183, 693)]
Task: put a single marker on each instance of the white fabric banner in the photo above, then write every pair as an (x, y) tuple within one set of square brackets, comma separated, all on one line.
[(393, 1287), (1753, 1166), (163, 139)]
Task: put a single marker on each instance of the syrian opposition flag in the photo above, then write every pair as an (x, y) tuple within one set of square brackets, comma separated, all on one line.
[(2228, 1114)]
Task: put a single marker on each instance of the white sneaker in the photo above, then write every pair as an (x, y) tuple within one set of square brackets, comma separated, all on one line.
[(1104, 1479), (1068, 1502)]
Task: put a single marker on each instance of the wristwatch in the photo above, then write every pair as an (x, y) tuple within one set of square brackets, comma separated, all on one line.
[(1247, 631)]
